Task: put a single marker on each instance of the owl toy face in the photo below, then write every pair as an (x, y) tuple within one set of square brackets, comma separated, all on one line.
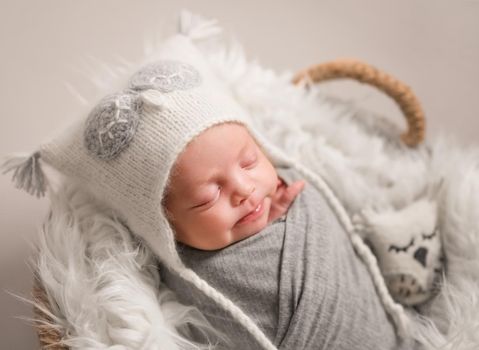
[(408, 248)]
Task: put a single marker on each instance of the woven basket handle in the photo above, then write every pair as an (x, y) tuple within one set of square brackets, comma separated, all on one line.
[(365, 73)]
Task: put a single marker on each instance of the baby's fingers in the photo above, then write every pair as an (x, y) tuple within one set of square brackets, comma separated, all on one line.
[(283, 199)]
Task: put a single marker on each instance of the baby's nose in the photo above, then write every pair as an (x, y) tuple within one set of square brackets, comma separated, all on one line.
[(242, 193)]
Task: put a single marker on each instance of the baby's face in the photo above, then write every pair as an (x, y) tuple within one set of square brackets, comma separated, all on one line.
[(220, 189)]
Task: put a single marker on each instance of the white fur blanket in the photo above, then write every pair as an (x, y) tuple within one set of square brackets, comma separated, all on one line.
[(103, 285)]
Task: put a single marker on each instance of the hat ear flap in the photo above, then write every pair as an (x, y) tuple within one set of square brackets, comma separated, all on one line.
[(27, 173)]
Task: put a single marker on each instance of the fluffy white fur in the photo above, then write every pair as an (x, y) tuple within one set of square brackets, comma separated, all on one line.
[(103, 285)]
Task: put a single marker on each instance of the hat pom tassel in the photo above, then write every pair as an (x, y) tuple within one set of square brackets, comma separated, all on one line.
[(196, 27), (28, 174)]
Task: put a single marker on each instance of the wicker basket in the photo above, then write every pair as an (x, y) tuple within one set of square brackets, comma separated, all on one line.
[(51, 338)]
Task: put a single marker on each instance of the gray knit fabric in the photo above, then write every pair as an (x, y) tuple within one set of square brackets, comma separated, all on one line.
[(111, 125), (166, 76), (299, 279)]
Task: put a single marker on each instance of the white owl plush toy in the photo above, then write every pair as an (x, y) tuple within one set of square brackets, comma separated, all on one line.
[(408, 247)]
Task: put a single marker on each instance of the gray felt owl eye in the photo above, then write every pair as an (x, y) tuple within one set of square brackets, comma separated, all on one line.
[(166, 76), (111, 125)]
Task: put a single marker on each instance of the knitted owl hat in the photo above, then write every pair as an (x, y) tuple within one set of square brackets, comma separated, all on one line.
[(124, 150)]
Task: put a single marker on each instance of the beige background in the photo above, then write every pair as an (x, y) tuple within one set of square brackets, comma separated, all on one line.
[(432, 45)]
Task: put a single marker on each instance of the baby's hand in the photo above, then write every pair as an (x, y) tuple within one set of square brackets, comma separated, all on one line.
[(283, 198)]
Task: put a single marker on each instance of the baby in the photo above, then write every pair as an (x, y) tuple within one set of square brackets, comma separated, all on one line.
[(292, 271)]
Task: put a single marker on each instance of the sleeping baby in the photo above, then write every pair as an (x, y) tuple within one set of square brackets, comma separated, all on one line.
[(276, 250)]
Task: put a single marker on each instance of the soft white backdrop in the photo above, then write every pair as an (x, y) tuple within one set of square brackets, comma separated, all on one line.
[(432, 45)]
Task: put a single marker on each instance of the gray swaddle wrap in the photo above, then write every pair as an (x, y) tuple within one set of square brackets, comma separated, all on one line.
[(299, 279)]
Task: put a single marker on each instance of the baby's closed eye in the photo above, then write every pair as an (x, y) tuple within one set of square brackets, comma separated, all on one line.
[(250, 161), (210, 198)]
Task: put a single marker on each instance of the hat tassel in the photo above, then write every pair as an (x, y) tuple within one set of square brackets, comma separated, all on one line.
[(28, 174)]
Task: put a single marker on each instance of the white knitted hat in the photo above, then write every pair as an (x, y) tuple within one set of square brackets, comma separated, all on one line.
[(123, 151)]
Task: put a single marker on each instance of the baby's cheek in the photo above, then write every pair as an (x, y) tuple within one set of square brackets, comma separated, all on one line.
[(215, 231), (215, 221)]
